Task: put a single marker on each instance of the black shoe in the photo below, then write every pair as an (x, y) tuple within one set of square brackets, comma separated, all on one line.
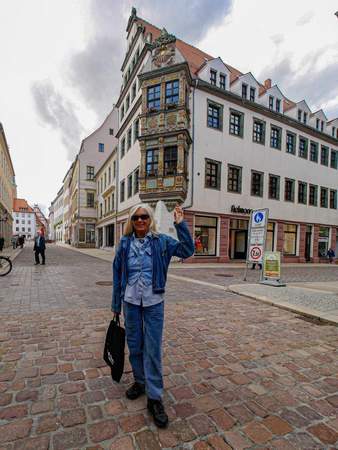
[(35, 264), (135, 391), (42, 264), (156, 408)]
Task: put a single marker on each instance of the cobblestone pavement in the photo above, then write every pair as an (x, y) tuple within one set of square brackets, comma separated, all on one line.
[(238, 374)]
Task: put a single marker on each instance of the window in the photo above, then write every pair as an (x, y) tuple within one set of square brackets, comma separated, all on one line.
[(289, 190), (90, 173), (277, 104), (171, 92), (101, 147), (302, 148), (17, 221), (105, 180), (304, 118), (17, 229), (152, 163), (275, 137), (205, 236), (299, 115), (114, 169), (170, 160), (123, 147), (290, 239), (258, 134), (290, 143), (333, 159), (154, 97), (113, 202), (136, 182), (324, 156), (257, 183), (333, 131), (122, 187), (244, 90), (90, 233), (313, 194), (271, 99), (234, 179), (109, 175), (129, 139), (317, 123), (323, 241), (127, 102), (214, 116), (130, 185), (222, 81), (333, 199), (133, 91), (90, 199), (252, 94), (213, 75), (302, 192), (122, 112), (274, 182), (323, 197), (313, 151), (270, 237), (236, 123), (212, 174), (136, 129)]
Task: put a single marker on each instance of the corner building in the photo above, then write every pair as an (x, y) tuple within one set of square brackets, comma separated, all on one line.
[(194, 130)]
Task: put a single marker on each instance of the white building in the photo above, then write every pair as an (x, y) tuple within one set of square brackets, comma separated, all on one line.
[(58, 216), (24, 220)]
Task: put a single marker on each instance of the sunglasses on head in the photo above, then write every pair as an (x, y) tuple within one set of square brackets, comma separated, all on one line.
[(141, 216)]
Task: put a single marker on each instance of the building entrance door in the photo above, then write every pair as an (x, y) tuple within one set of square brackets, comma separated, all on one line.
[(100, 237), (241, 239), (110, 229), (308, 236)]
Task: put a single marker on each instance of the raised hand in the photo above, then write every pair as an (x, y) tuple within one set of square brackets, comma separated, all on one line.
[(178, 214)]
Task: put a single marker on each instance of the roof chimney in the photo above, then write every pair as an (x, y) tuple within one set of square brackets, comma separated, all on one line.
[(267, 83)]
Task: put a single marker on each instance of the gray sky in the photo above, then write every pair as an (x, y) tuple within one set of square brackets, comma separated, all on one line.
[(60, 71)]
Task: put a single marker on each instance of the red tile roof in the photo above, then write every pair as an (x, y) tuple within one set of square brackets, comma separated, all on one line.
[(21, 205)]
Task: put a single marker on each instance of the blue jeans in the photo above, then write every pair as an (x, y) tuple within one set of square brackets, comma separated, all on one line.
[(144, 328)]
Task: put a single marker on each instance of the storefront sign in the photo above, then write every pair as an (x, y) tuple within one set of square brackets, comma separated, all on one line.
[(271, 266), (240, 210)]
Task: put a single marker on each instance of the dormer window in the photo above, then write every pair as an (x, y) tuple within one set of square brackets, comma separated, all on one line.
[(304, 118), (222, 81), (252, 94), (317, 124), (299, 115), (213, 75), (322, 126), (271, 102), (277, 104), (333, 131), (244, 90)]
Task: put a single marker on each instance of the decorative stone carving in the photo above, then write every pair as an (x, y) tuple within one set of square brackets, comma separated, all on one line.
[(164, 39)]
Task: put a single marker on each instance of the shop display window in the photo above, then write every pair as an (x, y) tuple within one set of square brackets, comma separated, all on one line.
[(290, 239), (205, 236)]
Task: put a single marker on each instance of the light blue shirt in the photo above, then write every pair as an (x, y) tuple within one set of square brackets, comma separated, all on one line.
[(139, 289)]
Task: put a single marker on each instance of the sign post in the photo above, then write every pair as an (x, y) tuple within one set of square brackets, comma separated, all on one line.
[(256, 237)]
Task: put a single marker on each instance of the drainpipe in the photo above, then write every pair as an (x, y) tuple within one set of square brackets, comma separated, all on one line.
[(192, 150), (117, 182)]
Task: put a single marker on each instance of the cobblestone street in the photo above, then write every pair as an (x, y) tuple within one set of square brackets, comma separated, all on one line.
[(238, 374)]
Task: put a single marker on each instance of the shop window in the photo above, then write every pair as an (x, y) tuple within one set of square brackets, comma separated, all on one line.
[(275, 137), (152, 163), (215, 115), (274, 183), (313, 194), (213, 174), (302, 148), (90, 233), (258, 132), (302, 192), (323, 197), (257, 183), (236, 123), (290, 239), (313, 151), (205, 236), (82, 233), (270, 237), (170, 160), (290, 143), (323, 241), (234, 179)]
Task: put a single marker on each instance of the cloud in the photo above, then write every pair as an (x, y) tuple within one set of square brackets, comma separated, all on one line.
[(277, 39), (305, 19), (58, 113), (95, 71)]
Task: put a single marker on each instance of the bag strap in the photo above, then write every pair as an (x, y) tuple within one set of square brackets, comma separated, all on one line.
[(116, 319)]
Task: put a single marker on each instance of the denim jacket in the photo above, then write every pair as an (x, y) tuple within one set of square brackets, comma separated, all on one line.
[(163, 249)]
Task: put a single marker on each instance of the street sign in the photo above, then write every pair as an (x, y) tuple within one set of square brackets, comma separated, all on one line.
[(256, 253), (258, 218), (256, 237)]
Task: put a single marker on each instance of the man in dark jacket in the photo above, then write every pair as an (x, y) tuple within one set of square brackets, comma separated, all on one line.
[(2, 243), (40, 247)]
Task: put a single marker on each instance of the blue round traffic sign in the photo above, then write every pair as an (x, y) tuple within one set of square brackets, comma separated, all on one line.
[(258, 217)]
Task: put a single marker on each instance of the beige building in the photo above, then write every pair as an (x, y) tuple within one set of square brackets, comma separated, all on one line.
[(106, 202), (7, 189)]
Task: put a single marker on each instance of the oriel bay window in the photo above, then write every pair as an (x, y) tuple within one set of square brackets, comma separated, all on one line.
[(212, 174), (215, 115), (275, 137), (302, 149), (171, 92), (90, 200), (323, 241), (154, 97), (290, 239), (313, 195), (236, 123), (258, 132), (152, 163), (205, 235), (289, 190), (302, 192), (313, 151), (170, 160), (257, 183), (90, 172), (323, 197), (274, 183), (234, 179), (290, 143)]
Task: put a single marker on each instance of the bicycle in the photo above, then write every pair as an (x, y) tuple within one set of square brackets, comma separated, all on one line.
[(5, 265)]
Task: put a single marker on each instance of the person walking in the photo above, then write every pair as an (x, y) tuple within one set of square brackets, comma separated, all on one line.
[(139, 277), (2, 243), (331, 255), (40, 247)]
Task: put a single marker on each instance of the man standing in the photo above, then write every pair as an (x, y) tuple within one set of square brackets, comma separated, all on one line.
[(2, 243), (40, 247)]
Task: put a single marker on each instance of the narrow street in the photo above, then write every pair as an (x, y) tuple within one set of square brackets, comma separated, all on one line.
[(238, 374)]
